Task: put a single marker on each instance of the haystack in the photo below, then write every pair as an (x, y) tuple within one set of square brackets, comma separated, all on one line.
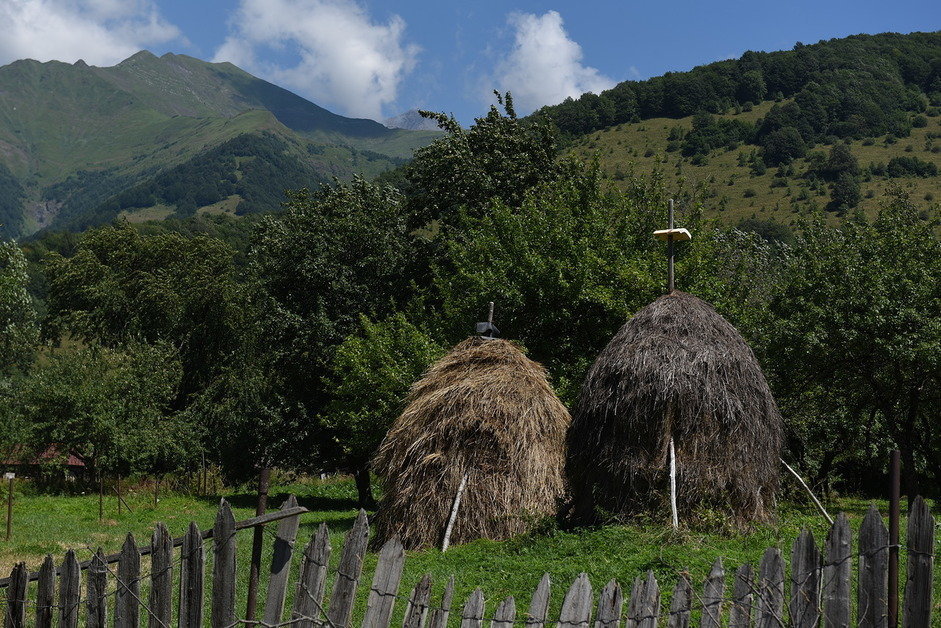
[(486, 411), (678, 370)]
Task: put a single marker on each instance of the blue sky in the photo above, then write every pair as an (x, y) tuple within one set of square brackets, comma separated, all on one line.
[(376, 59)]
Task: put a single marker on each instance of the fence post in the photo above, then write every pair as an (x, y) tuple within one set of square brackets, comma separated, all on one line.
[(836, 574), (918, 584), (771, 590), (45, 593), (281, 563), (127, 602), (15, 616), (872, 586), (223, 569), (97, 612), (805, 581), (191, 579), (161, 578), (351, 566), (69, 587), (576, 607), (312, 580)]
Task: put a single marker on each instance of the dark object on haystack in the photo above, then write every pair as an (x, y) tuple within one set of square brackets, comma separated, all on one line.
[(678, 370), (481, 444)]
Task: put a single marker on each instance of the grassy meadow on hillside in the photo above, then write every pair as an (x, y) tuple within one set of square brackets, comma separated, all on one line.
[(50, 524), (734, 193)]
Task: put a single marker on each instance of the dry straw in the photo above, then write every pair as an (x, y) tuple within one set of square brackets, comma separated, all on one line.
[(676, 370), (487, 411)]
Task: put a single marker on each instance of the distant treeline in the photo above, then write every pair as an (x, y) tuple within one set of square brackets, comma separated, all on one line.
[(860, 86)]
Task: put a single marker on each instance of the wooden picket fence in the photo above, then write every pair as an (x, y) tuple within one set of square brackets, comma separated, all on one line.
[(817, 590)]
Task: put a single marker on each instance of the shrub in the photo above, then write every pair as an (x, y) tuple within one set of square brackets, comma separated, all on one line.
[(919, 122), (748, 193)]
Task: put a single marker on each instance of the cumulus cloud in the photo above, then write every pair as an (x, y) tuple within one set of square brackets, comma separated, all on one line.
[(544, 66), (341, 58), (102, 32)]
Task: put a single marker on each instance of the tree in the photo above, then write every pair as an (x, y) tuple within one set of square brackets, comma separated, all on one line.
[(845, 193), (565, 269), (333, 255), (121, 286), (19, 332), (499, 156), (369, 379), (854, 345), (782, 146), (841, 160), (111, 408)]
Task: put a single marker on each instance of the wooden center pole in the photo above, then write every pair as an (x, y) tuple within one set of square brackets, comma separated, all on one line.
[(670, 282)]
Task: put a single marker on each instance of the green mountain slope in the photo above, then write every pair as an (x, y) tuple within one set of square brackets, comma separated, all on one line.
[(757, 132), (73, 136)]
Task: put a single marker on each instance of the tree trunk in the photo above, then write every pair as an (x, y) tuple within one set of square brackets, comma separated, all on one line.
[(364, 488)]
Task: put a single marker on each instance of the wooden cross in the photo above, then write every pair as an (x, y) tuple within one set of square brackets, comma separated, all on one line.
[(671, 235)]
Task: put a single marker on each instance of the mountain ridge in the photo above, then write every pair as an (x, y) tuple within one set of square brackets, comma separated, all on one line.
[(148, 114)]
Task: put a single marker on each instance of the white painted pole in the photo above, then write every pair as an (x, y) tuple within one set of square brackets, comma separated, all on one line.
[(457, 504), (676, 518)]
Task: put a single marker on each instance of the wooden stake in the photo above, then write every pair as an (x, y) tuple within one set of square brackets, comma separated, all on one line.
[(457, 504), (676, 518), (670, 282), (809, 492), (264, 479), (490, 314), (10, 506)]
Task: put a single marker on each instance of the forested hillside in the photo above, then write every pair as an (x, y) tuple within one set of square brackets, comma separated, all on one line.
[(724, 125)]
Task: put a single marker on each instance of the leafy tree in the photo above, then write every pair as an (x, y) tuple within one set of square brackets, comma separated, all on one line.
[(841, 160), (333, 255), (19, 332), (845, 193), (499, 156), (369, 379), (121, 286), (783, 146), (565, 269), (854, 345), (112, 408)]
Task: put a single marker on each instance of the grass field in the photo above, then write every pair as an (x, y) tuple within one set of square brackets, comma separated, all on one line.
[(50, 524), (734, 193)]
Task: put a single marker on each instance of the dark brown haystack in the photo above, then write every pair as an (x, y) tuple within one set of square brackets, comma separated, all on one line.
[(676, 369), (486, 410)]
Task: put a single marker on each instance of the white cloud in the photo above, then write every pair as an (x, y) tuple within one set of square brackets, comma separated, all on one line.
[(544, 67), (102, 32), (342, 59)]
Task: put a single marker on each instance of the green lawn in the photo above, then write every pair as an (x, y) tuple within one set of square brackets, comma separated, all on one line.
[(50, 524)]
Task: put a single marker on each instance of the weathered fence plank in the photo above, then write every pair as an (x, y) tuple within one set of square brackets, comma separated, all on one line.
[(15, 614), (505, 614), (70, 583), (576, 607), (873, 583), (281, 564), (45, 593), (312, 581), (712, 595), (160, 602), (837, 568), (771, 590), (610, 604), (348, 572), (439, 619), (633, 604), (417, 611), (97, 607), (740, 614), (649, 607), (385, 584), (539, 605), (918, 582), (127, 598), (681, 606), (222, 613), (473, 614), (805, 581), (192, 558)]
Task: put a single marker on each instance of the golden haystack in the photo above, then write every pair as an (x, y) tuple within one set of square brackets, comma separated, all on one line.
[(487, 411)]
